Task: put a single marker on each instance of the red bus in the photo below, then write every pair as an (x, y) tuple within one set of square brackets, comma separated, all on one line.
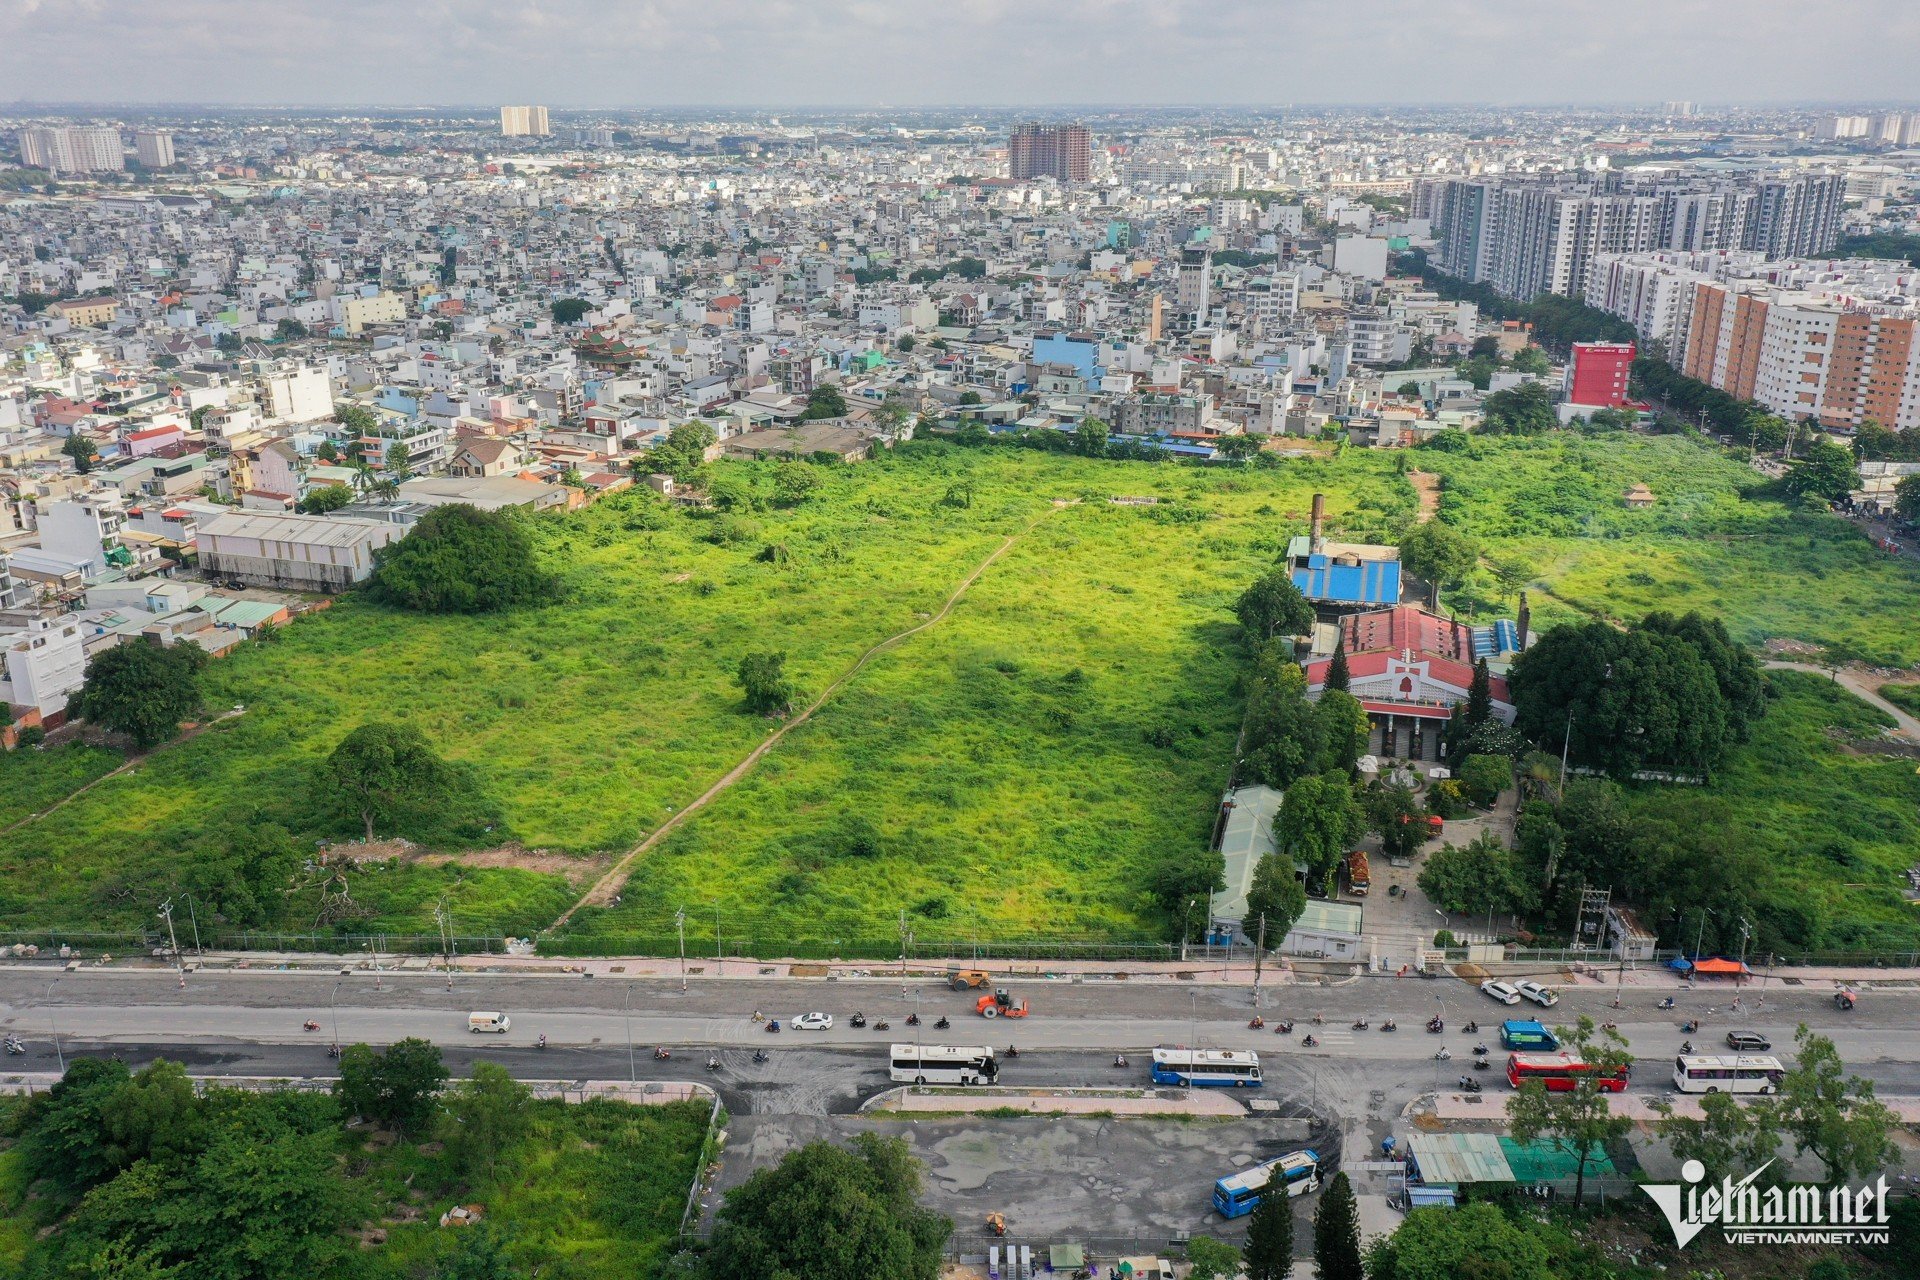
[(1558, 1071)]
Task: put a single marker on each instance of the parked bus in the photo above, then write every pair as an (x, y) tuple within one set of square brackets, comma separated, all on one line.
[(1706, 1074), (1239, 1194), (1530, 1036), (1229, 1068), (938, 1064), (1558, 1071)]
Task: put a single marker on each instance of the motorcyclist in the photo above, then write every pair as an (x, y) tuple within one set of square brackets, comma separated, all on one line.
[(1012, 1052), (541, 1043), (1119, 1059), (661, 1054), (1309, 1041), (1686, 1046), (1389, 1025), (713, 1063), (759, 1055), (1256, 1022)]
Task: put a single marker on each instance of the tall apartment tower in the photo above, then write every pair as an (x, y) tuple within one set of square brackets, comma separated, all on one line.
[(1064, 153), (72, 150), (1191, 291), (523, 122), (155, 150)]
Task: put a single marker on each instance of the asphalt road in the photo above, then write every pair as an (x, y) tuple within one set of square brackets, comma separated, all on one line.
[(249, 1023)]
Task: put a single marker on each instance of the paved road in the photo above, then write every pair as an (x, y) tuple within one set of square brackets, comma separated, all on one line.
[(1854, 684), (250, 1023)]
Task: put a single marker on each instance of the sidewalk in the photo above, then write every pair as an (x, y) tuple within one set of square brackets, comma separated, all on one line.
[(1492, 1105), (1119, 1102)]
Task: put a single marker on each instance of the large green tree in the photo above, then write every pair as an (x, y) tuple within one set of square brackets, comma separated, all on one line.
[(82, 450), (383, 771), (1183, 882), (460, 559), (1731, 1137), (681, 453), (1319, 820), (142, 690), (825, 401), (1268, 1254), (1484, 876), (1825, 474), (66, 1139), (398, 1088), (485, 1116), (1271, 607), (1344, 729), (830, 1213), (569, 310), (1577, 1121), (762, 677), (1436, 552), (1336, 1233), (1473, 1242), (1906, 498), (1275, 899), (1835, 1116), (1395, 812), (1524, 410)]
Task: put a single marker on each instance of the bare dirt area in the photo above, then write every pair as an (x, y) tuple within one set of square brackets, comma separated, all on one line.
[(1427, 485), (577, 871)]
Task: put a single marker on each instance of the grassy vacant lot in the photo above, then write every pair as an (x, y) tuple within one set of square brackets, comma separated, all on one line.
[(31, 779), (1013, 770)]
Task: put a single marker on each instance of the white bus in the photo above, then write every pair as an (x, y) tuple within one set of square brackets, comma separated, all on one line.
[(939, 1064), (1227, 1068), (1743, 1074)]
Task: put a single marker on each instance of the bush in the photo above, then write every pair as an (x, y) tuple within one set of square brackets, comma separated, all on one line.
[(460, 559), (1483, 778)]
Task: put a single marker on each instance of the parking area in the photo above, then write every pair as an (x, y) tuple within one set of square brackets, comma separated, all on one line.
[(1114, 1184)]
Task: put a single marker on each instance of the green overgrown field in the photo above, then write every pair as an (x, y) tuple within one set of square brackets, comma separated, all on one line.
[(31, 779), (1549, 511), (1014, 770)]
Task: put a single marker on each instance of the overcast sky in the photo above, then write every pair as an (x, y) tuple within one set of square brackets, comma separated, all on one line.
[(934, 52)]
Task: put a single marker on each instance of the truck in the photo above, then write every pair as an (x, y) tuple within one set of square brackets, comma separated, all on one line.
[(1358, 876), (1516, 1033)]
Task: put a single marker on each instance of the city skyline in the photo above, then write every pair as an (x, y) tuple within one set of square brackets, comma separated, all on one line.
[(852, 53)]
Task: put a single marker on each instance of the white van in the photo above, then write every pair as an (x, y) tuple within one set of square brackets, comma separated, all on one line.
[(499, 1023)]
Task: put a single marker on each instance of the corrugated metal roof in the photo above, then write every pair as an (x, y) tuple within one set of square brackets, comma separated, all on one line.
[(1454, 1159), (1369, 582), (312, 530), (1248, 837)]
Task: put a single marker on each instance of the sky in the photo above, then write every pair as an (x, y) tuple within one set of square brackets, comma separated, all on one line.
[(901, 53)]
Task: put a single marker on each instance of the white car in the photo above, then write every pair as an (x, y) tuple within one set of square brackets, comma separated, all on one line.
[(1542, 996), (813, 1022), (1501, 991)]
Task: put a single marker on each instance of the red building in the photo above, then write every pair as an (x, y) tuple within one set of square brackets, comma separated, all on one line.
[(1598, 374)]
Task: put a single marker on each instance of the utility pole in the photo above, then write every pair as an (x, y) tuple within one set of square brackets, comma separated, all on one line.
[(166, 911), (54, 1022), (680, 923), (195, 922), (906, 940), (1259, 950), (626, 1013), (1746, 927), (719, 959), (444, 918)]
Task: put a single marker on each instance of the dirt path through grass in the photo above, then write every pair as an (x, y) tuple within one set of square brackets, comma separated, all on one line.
[(1427, 485), (608, 885), (130, 765)]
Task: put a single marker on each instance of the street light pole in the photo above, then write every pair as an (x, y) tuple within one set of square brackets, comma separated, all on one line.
[(680, 922), (626, 1013), (333, 1009), (166, 911), (54, 1022), (1193, 1039)]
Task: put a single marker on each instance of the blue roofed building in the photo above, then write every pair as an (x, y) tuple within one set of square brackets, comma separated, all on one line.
[(1339, 578)]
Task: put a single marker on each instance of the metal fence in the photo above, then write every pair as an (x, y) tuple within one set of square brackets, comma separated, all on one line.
[(193, 940), (882, 949)]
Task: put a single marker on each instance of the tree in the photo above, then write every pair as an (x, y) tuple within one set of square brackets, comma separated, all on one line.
[(142, 690), (1239, 448), (1319, 820), (384, 771), (1283, 735), (477, 1255), (1906, 498), (1271, 607), (1525, 410), (763, 678), (1184, 880), (328, 497), (1473, 1242), (794, 481), (1336, 1232), (1481, 878), (1826, 474), (1436, 552), (683, 451), (486, 1115), (825, 401), (1485, 777), (1835, 1117), (1344, 730), (906, 342), (1484, 348), (289, 328), (969, 398), (1479, 697), (1409, 389), (82, 450), (1269, 1250), (1090, 438), (399, 462), (1730, 1139), (1275, 897), (1338, 677), (398, 1088), (460, 559), (1530, 360), (1398, 816), (356, 418), (1577, 1121), (228, 343), (569, 310), (32, 301), (1742, 686), (830, 1213), (66, 1141), (327, 453), (1210, 1259)]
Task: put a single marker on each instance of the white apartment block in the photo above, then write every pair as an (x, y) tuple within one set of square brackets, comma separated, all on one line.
[(72, 150), (523, 122), (382, 308), (42, 665), (153, 149), (296, 395)]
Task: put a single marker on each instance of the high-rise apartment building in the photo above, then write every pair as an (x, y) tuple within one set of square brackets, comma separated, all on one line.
[(1679, 110), (80, 149), (1064, 152), (1192, 288), (154, 149), (1598, 373), (523, 122), (1526, 237)]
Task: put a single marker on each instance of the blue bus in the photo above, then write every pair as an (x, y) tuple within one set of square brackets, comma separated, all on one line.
[(1530, 1036), (1240, 1194), (1225, 1068)]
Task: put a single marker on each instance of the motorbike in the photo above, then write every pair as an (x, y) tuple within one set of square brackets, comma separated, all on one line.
[(14, 1045), (759, 1055), (309, 1025), (1609, 1025), (1285, 1028), (913, 1019), (1361, 1024), (1686, 1046), (662, 1054), (942, 1025), (1481, 1064), (1309, 1041), (773, 1026), (1012, 1052), (1471, 1027), (333, 1051), (858, 1020), (713, 1064), (883, 1025), (1445, 1055), (1667, 1003), (1119, 1059), (1256, 1022), (1480, 1051), (1389, 1025), (541, 1043), (1469, 1084), (1689, 1026), (1436, 1026), (759, 1016)]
